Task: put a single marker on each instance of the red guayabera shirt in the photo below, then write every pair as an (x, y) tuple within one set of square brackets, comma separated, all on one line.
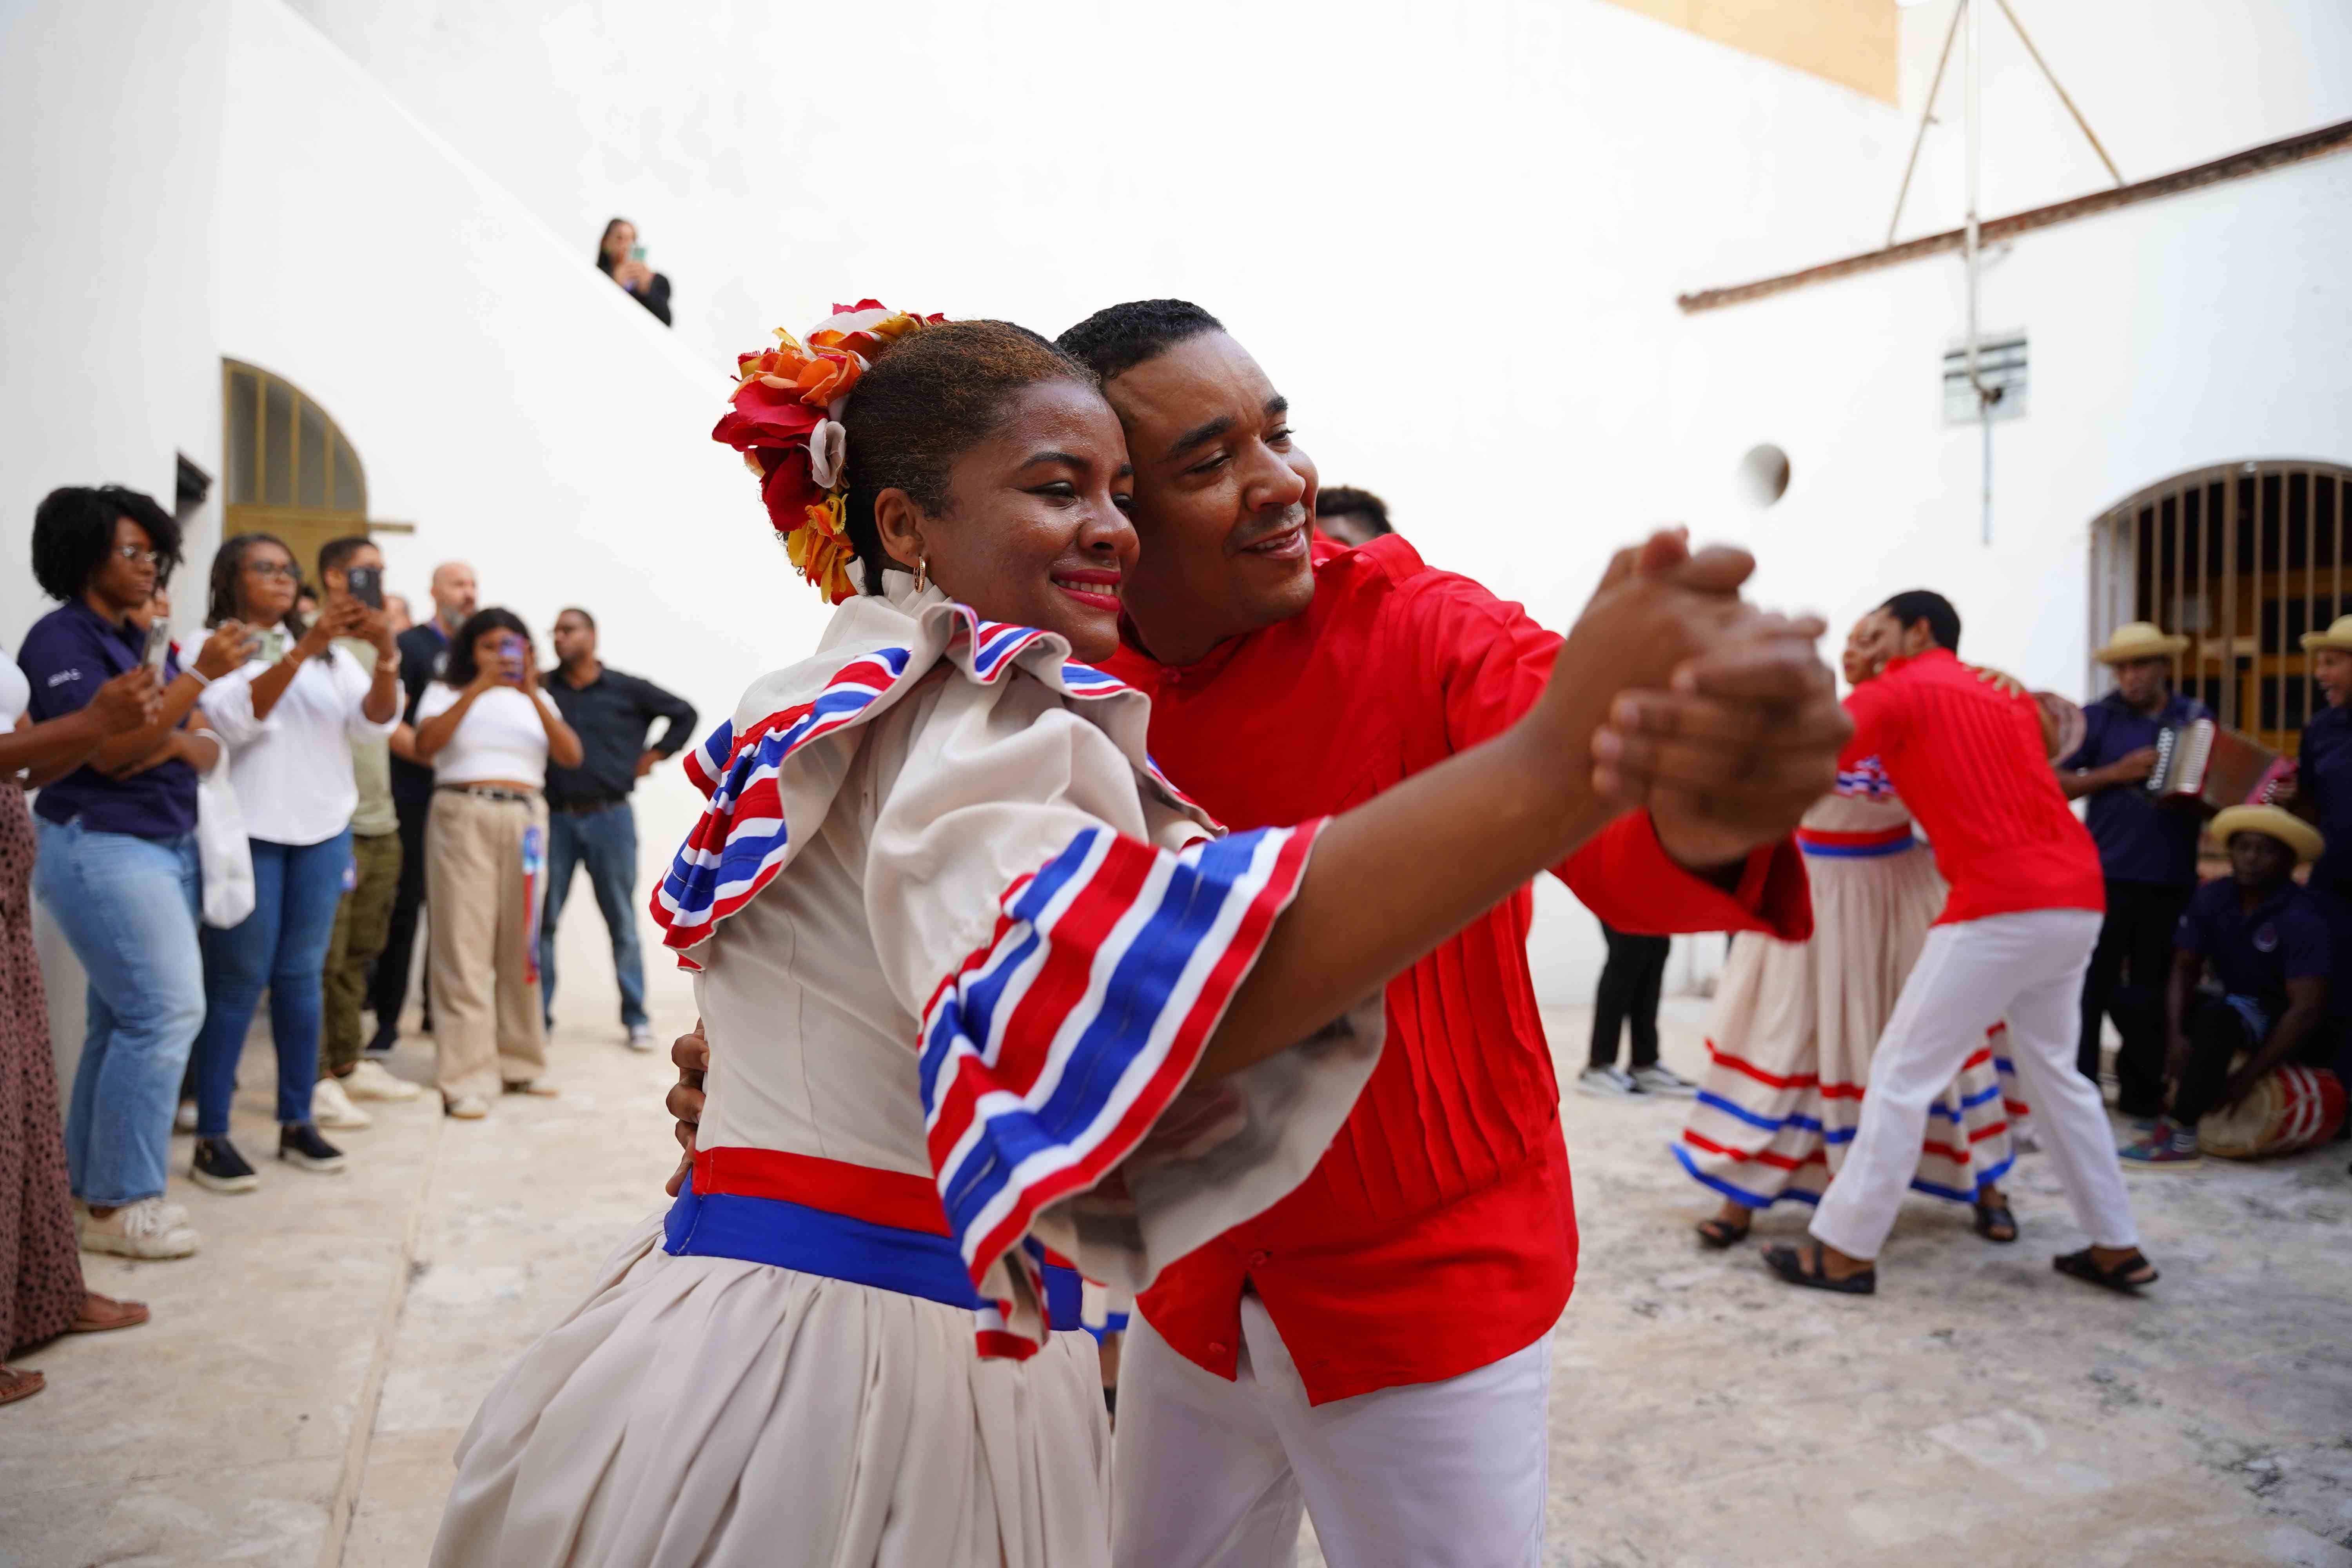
[(1438, 1233), (1969, 761)]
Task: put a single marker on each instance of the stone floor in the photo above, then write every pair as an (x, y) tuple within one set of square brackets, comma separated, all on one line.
[(297, 1396)]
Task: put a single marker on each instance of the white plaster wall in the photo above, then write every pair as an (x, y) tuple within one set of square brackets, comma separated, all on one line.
[(509, 402)]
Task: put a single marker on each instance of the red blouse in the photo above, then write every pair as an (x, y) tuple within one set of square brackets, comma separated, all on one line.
[(1438, 1233)]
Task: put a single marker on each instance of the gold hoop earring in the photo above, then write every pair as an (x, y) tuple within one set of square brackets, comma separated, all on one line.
[(923, 573)]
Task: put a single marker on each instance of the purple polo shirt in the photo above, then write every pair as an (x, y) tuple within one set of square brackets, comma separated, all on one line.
[(70, 653)]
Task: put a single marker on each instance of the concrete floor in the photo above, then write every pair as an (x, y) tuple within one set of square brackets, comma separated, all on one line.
[(297, 1396)]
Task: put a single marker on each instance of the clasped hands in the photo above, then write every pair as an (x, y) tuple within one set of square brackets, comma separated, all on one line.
[(1721, 718)]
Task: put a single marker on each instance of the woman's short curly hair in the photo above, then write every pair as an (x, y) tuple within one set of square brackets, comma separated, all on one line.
[(73, 528), (929, 398)]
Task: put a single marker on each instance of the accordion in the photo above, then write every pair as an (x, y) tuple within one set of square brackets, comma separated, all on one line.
[(2206, 765)]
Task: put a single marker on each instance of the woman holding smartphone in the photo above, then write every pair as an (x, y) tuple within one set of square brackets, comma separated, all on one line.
[(489, 732), (287, 716)]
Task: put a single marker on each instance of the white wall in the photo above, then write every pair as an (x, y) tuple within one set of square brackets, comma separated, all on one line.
[(506, 399)]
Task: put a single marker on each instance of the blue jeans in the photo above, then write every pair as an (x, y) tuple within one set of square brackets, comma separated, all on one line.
[(128, 908), (606, 841), (282, 945)]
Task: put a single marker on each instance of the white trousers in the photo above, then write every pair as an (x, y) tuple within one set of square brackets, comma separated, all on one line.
[(2027, 967), (1211, 1474)]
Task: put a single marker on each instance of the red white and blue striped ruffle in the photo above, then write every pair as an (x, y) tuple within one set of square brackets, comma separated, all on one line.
[(1050, 1052), (744, 835), (1866, 779)]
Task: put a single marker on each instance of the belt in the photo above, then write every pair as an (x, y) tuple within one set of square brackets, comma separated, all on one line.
[(881, 1228), (488, 791), (582, 807), (1854, 845)]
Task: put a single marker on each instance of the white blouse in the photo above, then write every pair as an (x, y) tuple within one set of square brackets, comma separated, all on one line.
[(15, 693), (293, 768), (499, 737)]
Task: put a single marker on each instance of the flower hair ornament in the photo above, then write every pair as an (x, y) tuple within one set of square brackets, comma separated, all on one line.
[(786, 421)]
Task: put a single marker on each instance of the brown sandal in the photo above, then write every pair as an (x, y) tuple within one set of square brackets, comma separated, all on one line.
[(16, 1386), (99, 1314), (1719, 1233)]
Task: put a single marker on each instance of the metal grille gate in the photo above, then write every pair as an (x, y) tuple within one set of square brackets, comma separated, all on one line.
[(2242, 559)]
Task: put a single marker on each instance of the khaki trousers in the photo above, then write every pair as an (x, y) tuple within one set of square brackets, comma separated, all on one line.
[(487, 1029)]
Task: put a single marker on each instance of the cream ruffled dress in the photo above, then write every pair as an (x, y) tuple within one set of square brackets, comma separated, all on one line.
[(959, 949)]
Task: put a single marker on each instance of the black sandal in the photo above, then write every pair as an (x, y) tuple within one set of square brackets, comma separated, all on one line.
[(1994, 1216), (2085, 1268), (1719, 1233), (1789, 1263)]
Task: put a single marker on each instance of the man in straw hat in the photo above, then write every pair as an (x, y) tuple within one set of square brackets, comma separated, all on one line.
[(2147, 853), (2267, 943), (2323, 759)]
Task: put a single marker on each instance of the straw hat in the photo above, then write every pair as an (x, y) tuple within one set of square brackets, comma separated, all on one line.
[(2277, 822), (2146, 639), (2338, 636)]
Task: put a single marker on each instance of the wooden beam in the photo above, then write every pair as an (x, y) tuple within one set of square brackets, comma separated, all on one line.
[(2319, 143)]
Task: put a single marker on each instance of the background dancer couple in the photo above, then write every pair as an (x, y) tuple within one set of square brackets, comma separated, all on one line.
[(985, 994)]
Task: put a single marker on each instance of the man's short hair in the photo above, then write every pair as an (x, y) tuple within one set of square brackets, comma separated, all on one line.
[(1916, 605), (576, 610), (1347, 501), (335, 553), (1115, 341)]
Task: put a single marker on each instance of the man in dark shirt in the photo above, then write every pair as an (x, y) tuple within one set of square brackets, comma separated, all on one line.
[(588, 815), (2323, 759), (423, 654), (2146, 852), (2267, 943)]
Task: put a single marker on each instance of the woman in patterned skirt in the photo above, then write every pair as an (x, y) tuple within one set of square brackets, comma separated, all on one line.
[(1795, 1025), (41, 1294)]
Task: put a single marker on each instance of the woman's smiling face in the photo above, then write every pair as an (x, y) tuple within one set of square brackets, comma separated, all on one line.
[(1035, 528)]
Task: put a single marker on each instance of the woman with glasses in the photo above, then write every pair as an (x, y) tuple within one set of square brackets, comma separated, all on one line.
[(488, 731), (287, 715), (116, 860)]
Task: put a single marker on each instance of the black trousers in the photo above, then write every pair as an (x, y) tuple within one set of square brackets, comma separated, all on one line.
[(2125, 982), (388, 987), (2217, 1033), (1630, 982)]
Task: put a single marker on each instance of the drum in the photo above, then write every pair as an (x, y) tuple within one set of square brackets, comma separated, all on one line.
[(2295, 1107)]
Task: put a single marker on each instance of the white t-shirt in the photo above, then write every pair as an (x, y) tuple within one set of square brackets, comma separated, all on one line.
[(293, 770), (500, 738), (15, 693)]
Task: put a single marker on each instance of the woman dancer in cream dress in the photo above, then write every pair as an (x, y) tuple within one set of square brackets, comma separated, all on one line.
[(1795, 1025), (985, 994)]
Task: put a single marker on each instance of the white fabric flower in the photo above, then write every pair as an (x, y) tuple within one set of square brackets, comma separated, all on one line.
[(828, 447)]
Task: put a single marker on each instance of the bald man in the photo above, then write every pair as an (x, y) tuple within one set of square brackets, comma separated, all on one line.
[(423, 651)]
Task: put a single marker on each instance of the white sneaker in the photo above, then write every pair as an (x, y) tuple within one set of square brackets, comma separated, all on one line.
[(1660, 1079), (330, 1107), (369, 1081), (467, 1107), (1612, 1082), (183, 1120), (641, 1037), (144, 1229)]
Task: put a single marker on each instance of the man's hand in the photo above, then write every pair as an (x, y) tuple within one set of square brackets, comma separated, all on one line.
[(2131, 767), (2001, 680), (691, 1052), (648, 761), (1743, 741)]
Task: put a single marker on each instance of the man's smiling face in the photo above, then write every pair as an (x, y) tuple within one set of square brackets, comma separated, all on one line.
[(1224, 500)]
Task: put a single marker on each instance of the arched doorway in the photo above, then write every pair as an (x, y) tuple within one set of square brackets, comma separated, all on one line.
[(290, 471), (2241, 558)]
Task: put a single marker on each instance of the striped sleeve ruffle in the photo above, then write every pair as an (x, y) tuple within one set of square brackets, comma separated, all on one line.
[(1049, 1053)]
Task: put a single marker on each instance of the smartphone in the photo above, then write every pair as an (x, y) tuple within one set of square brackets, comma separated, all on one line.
[(366, 585), (510, 647), (159, 647), (270, 647), (637, 253)]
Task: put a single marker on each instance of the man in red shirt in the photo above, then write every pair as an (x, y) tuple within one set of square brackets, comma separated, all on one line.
[(2014, 938), (1376, 1347)]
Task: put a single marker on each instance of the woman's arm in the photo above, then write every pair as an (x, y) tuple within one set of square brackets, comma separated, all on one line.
[(437, 731), (148, 745), (564, 747)]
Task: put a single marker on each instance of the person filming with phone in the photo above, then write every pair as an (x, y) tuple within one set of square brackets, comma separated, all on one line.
[(287, 716), (489, 732), (620, 257), (117, 865)]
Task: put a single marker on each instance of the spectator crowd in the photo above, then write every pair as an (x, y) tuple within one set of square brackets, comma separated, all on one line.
[(280, 811)]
